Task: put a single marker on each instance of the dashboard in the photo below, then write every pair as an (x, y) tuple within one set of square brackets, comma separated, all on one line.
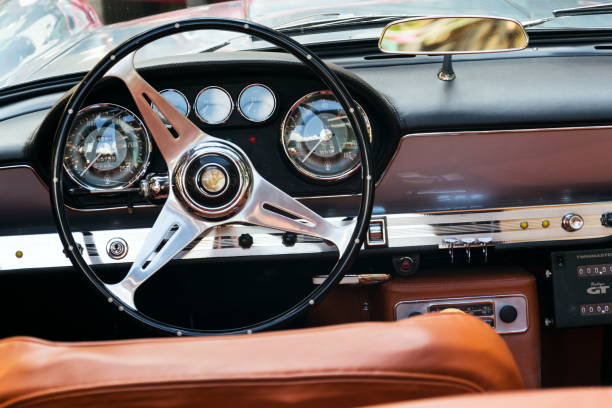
[(294, 131), (467, 165)]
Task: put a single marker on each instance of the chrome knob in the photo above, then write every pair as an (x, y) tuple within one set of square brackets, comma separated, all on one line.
[(572, 222), (117, 248)]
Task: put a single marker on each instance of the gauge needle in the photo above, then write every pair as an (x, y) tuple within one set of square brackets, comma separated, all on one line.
[(91, 164), (312, 150), (324, 136)]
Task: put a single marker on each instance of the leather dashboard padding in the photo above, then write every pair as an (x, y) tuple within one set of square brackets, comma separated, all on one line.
[(475, 281), (586, 397), (333, 366)]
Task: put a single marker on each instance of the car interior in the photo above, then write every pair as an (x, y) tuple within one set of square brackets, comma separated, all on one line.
[(419, 218)]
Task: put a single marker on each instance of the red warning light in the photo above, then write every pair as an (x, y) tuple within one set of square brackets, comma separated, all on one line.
[(252, 139)]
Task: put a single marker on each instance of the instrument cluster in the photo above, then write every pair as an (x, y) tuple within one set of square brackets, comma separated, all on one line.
[(109, 148)]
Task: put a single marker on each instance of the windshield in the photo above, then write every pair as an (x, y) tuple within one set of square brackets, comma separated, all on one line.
[(45, 38)]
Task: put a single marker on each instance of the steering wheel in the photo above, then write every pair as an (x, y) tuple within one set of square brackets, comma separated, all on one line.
[(212, 181)]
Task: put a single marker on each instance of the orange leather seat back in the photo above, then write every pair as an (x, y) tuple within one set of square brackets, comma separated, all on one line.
[(334, 366)]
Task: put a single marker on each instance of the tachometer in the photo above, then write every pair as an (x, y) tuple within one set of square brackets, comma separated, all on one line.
[(108, 148), (318, 138)]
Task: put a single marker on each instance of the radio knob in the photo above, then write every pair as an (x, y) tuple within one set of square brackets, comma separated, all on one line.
[(508, 314), (572, 222)]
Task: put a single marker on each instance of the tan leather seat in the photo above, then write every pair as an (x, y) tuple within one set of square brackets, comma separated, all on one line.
[(556, 398), (335, 366)]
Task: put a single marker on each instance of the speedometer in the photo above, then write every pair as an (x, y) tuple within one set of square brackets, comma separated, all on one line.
[(108, 148), (318, 138)]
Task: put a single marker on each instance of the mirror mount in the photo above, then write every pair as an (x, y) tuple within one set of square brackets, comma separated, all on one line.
[(447, 73), (448, 36)]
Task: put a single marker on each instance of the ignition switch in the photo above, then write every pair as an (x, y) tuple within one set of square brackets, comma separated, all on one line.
[(406, 265)]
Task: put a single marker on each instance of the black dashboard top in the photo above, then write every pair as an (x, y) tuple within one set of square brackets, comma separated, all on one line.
[(400, 95)]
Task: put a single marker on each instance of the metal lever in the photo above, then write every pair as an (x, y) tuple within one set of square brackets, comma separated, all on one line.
[(155, 186), (451, 242), (468, 242), (484, 243)]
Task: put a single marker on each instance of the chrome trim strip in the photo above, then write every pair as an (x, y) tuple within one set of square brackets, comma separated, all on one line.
[(501, 226), (359, 279), (403, 231), (46, 250)]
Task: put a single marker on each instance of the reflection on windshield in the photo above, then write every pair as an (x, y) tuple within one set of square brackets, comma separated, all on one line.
[(31, 29), (39, 39)]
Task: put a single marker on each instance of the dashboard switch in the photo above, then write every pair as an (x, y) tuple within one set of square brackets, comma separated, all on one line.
[(377, 233), (572, 222), (245, 241), (406, 265), (289, 239)]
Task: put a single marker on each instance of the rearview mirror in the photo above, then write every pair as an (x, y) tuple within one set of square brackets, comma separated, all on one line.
[(452, 35)]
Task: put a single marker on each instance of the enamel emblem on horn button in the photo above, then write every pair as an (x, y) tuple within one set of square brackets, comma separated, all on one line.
[(213, 179)]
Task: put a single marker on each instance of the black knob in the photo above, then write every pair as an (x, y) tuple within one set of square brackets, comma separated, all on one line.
[(508, 314), (289, 239), (245, 241)]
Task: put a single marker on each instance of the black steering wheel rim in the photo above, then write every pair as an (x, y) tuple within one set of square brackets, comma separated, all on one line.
[(320, 69)]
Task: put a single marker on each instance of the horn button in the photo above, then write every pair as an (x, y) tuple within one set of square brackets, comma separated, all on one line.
[(213, 181)]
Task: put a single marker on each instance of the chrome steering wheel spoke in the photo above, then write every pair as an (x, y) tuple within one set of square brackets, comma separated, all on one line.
[(268, 206), (173, 230), (171, 145)]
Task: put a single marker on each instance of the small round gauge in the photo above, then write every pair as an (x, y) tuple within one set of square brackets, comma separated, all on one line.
[(318, 138), (214, 105), (176, 99), (108, 147), (256, 102)]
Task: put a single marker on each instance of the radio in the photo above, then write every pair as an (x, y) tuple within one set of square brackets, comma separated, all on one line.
[(582, 282), (505, 313)]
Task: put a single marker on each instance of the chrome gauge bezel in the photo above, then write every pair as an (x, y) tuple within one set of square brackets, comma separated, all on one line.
[(231, 109), (310, 174), (138, 175), (182, 95), (244, 115)]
